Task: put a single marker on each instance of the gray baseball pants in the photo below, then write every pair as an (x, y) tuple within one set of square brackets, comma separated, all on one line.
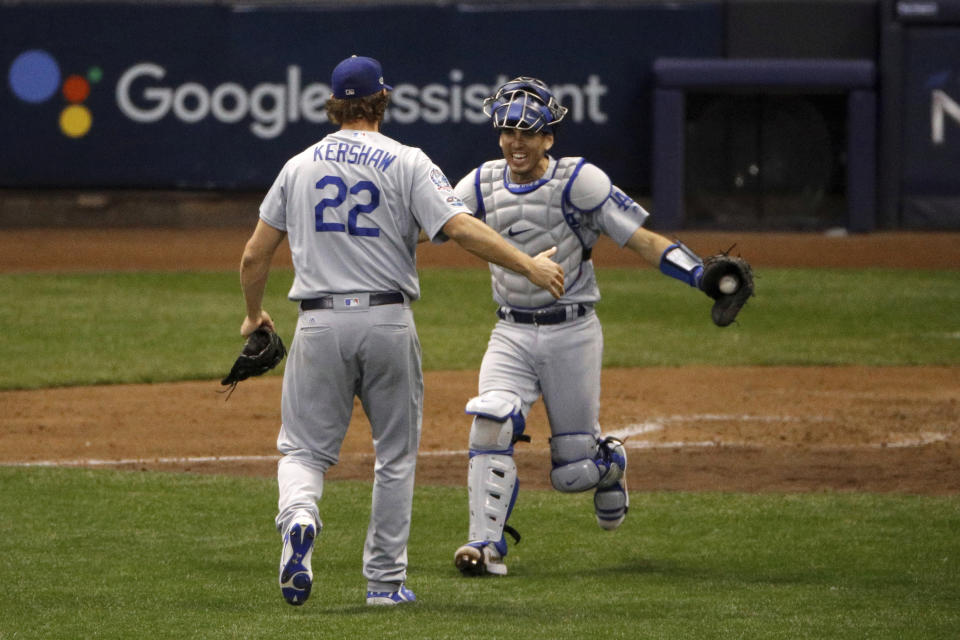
[(372, 353)]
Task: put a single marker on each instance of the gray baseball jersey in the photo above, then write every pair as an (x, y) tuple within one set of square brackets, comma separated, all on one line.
[(569, 207), (353, 205)]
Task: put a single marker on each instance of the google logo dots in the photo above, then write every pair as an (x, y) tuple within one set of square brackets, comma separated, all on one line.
[(34, 77), (76, 89)]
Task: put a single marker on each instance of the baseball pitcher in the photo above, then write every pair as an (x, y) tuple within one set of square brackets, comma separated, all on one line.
[(353, 207)]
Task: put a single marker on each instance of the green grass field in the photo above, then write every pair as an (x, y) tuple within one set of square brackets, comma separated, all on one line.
[(154, 327), (105, 554)]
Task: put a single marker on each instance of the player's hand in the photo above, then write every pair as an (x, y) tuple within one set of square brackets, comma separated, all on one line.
[(546, 273), (252, 324)]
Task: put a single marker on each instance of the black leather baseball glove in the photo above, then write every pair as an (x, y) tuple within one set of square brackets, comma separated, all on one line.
[(729, 294), (262, 351)]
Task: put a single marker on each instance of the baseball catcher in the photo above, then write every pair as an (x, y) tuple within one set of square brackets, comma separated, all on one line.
[(550, 347), (262, 351)]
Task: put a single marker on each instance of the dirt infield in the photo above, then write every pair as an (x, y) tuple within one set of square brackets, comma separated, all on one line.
[(891, 429)]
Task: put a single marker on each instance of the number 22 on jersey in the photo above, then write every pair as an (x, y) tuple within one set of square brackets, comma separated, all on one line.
[(358, 191)]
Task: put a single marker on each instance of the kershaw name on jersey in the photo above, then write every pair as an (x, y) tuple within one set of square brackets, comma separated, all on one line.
[(353, 154)]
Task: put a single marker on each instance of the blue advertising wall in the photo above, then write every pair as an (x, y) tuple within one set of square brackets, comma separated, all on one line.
[(219, 97), (931, 132)]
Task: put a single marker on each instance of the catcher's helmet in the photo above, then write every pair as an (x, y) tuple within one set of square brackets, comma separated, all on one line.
[(526, 104)]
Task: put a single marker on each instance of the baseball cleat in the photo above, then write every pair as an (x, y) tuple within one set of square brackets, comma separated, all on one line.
[(479, 558), (296, 575), (390, 598)]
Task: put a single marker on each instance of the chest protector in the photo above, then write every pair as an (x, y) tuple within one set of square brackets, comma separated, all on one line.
[(534, 218)]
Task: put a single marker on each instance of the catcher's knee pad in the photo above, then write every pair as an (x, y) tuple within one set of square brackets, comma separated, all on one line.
[(492, 486), (582, 462), (497, 423)]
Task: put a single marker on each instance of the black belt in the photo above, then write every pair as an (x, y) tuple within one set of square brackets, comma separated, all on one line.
[(541, 317), (376, 299)]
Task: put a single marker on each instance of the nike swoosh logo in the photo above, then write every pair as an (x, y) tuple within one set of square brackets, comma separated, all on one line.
[(512, 233)]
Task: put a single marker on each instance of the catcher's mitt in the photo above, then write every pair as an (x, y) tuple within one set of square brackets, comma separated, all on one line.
[(262, 351), (729, 295)]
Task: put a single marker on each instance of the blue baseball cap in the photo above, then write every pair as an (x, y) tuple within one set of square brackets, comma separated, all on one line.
[(357, 77)]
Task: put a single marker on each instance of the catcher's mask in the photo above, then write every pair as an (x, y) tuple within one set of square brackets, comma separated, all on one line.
[(526, 104)]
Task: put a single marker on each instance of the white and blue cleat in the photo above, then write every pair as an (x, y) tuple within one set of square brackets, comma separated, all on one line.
[(390, 598), (296, 575)]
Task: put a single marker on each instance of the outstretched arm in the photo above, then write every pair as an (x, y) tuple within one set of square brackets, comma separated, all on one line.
[(673, 258), (726, 279), (254, 269), (649, 245), (483, 242)]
